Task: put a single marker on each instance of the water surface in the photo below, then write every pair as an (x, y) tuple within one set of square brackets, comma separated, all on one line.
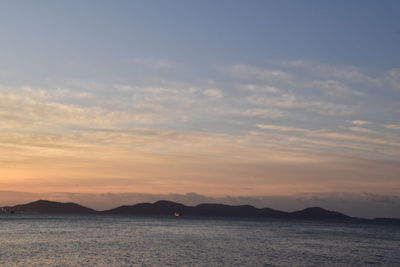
[(72, 240)]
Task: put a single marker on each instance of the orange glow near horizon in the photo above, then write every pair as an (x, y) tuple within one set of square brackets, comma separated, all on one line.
[(212, 165)]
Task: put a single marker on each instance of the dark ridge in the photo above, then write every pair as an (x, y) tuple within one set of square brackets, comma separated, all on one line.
[(318, 213), (49, 207), (268, 212), (134, 209), (226, 210), (164, 207), (169, 208)]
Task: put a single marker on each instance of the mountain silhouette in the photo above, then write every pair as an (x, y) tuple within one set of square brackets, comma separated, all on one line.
[(169, 208), (319, 213), (161, 207), (49, 207), (164, 207), (234, 211)]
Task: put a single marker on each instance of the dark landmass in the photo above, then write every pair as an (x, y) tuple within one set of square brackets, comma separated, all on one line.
[(169, 208), (320, 214), (387, 220), (164, 207), (48, 207)]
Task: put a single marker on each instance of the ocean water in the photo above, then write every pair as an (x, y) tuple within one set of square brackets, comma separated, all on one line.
[(66, 240)]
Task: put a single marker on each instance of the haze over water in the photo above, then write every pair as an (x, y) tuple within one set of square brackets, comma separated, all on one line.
[(68, 240)]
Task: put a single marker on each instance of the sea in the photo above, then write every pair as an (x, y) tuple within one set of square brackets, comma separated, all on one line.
[(110, 240)]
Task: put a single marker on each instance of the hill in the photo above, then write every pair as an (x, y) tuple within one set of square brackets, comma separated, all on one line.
[(169, 208), (48, 207), (164, 207)]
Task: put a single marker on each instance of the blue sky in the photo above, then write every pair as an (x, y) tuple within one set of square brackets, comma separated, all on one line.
[(54, 36), (239, 98)]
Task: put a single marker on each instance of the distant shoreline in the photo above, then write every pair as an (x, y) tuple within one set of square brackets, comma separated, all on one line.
[(169, 208)]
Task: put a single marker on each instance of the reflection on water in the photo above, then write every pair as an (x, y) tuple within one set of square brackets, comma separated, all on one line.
[(65, 240)]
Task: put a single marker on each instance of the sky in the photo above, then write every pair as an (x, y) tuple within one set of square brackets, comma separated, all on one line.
[(242, 102)]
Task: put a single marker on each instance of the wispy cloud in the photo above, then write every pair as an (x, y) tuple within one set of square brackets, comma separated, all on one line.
[(393, 126), (361, 130), (393, 78), (291, 101), (340, 72), (251, 72), (361, 122), (264, 113), (213, 93), (283, 128), (259, 88), (280, 130), (332, 88)]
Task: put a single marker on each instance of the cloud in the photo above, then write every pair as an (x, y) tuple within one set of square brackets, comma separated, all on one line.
[(213, 93), (361, 122), (291, 101), (361, 130), (55, 94), (393, 78), (333, 88), (17, 110), (276, 128), (343, 73), (259, 88), (283, 128), (357, 139), (393, 126), (250, 72), (264, 113), (324, 140)]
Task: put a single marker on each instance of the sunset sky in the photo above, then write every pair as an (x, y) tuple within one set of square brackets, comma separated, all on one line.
[(230, 101)]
